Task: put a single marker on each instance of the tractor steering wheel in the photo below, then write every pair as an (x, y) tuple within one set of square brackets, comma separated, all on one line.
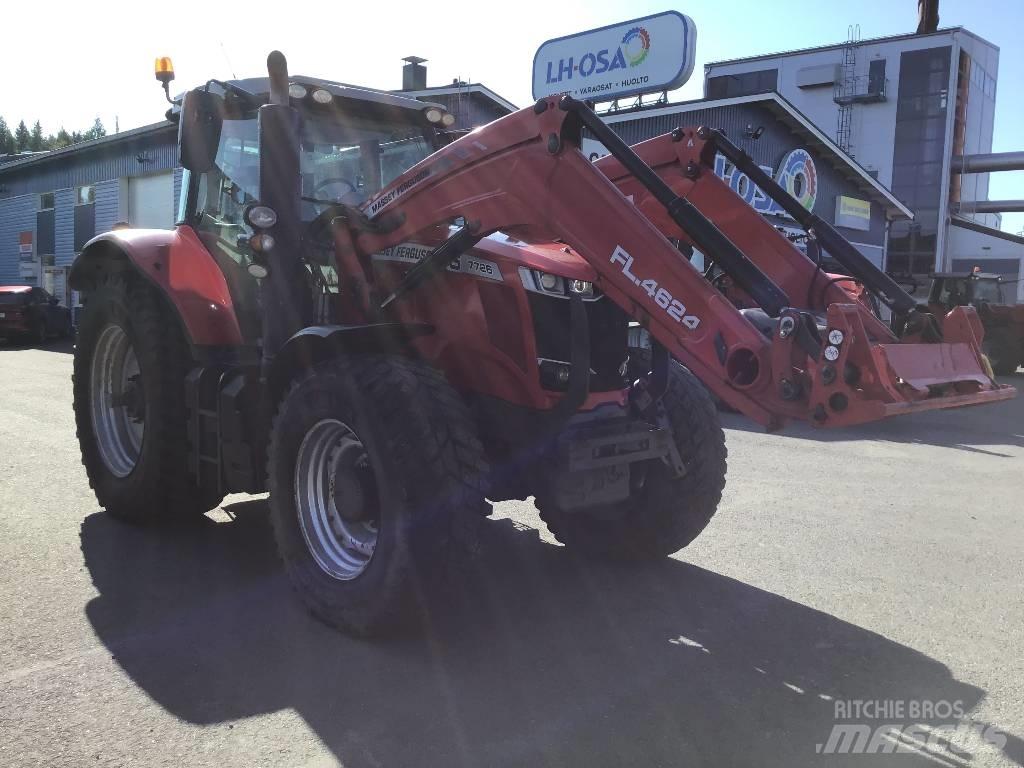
[(348, 195)]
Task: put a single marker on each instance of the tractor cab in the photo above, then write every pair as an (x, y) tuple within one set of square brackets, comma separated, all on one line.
[(956, 289), (342, 145)]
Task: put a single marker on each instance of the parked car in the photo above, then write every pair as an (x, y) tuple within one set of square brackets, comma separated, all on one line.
[(28, 313)]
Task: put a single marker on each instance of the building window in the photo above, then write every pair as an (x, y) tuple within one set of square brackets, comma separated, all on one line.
[(85, 216), (742, 84), (46, 236), (918, 153)]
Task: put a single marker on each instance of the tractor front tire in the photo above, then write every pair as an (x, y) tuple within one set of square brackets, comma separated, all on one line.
[(129, 401), (372, 459), (666, 513), (1003, 354)]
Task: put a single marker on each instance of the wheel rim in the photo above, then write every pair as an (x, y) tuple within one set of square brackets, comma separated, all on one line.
[(118, 401), (336, 499)]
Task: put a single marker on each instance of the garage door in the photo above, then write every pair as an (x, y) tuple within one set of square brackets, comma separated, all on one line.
[(151, 201)]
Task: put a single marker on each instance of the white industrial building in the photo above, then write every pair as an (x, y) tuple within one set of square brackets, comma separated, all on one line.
[(907, 108)]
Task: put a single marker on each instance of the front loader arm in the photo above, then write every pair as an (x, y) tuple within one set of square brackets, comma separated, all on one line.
[(524, 174), (685, 162)]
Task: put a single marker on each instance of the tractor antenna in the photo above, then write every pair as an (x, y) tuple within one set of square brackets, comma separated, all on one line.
[(227, 59)]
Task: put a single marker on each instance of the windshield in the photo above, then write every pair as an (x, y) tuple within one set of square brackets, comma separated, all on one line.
[(988, 290), (344, 161)]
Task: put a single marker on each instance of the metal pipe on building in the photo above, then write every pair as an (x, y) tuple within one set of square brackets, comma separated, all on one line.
[(990, 206), (997, 161)]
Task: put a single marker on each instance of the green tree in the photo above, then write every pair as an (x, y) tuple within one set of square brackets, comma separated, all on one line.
[(62, 139), (22, 137), (36, 140), (6, 138), (96, 132)]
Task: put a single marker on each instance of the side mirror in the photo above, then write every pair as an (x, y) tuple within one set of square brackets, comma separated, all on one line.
[(199, 130)]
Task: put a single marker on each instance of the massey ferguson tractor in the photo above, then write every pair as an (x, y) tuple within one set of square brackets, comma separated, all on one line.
[(386, 329)]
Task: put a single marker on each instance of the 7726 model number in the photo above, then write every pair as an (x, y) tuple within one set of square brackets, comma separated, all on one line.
[(672, 306)]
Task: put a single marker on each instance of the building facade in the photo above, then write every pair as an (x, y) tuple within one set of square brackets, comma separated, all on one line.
[(789, 148), (903, 107)]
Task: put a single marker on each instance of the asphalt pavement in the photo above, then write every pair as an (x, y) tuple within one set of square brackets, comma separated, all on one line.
[(881, 564)]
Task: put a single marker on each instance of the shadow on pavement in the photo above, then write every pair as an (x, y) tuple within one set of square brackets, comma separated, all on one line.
[(964, 429), (66, 346), (536, 659)]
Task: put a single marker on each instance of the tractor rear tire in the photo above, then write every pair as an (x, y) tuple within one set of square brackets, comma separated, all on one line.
[(372, 460), (666, 513), (1003, 354), (130, 348)]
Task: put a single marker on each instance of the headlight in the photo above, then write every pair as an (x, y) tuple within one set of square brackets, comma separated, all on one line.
[(582, 287), (320, 96), (433, 114), (261, 216), (297, 91), (549, 282), (447, 119)]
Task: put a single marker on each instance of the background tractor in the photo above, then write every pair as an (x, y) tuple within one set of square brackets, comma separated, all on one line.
[(991, 296), (387, 328)]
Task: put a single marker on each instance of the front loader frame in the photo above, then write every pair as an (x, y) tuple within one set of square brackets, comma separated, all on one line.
[(524, 174)]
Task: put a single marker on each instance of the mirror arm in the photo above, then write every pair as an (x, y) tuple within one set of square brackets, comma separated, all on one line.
[(248, 96)]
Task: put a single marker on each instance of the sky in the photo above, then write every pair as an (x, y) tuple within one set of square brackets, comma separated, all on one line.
[(96, 59)]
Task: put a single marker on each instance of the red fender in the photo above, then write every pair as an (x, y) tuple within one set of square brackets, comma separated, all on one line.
[(177, 263)]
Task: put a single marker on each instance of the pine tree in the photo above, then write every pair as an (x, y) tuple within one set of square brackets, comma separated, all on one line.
[(6, 139), (22, 137), (62, 139), (35, 141), (97, 131)]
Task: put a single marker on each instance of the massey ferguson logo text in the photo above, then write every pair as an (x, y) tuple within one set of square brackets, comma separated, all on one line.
[(631, 52), (397, 192)]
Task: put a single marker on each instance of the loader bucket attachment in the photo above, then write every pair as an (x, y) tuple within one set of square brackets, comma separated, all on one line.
[(859, 380)]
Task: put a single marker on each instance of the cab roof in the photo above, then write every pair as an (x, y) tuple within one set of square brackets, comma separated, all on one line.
[(966, 275), (260, 86)]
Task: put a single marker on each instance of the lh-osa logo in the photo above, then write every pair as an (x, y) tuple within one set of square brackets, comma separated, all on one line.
[(631, 52)]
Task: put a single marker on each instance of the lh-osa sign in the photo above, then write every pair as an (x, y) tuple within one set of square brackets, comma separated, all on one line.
[(655, 53)]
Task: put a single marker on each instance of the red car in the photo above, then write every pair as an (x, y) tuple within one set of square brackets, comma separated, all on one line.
[(28, 313)]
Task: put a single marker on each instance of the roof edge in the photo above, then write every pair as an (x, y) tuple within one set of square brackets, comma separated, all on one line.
[(796, 115), (836, 46)]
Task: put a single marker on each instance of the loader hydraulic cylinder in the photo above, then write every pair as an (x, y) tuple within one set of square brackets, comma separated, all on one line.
[(838, 246)]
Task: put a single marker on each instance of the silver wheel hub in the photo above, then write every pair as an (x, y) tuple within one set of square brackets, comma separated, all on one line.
[(117, 401), (336, 499)]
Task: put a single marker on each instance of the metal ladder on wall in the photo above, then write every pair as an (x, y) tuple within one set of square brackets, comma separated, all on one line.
[(844, 91)]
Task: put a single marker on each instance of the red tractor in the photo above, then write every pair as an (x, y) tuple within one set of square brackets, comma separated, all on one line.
[(1002, 319), (385, 328)]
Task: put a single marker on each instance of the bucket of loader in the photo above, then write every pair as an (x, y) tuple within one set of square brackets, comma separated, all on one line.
[(860, 379)]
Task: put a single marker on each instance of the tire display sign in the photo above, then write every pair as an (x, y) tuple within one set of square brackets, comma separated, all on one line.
[(653, 53)]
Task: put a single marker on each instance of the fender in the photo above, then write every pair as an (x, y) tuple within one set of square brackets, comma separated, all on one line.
[(177, 264), (318, 343)]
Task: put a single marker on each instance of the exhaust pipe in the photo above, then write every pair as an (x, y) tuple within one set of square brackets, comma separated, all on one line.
[(286, 303)]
